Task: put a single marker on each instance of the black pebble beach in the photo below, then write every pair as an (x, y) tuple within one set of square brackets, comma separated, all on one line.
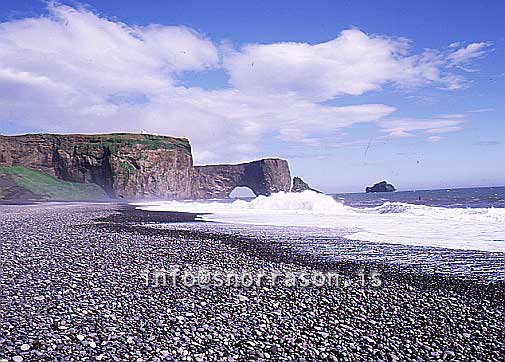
[(72, 288)]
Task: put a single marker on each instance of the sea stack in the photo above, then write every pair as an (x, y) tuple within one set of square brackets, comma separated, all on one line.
[(299, 185), (382, 186)]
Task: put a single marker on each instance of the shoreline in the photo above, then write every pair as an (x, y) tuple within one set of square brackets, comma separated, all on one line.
[(72, 286), (129, 217)]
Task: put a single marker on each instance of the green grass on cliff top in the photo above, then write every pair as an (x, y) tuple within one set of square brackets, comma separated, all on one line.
[(148, 141), (50, 187), (116, 141)]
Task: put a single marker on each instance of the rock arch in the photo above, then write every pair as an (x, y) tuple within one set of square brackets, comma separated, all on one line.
[(263, 177)]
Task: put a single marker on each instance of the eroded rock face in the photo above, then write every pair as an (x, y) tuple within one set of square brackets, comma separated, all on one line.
[(382, 186), (263, 177), (124, 165), (140, 166)]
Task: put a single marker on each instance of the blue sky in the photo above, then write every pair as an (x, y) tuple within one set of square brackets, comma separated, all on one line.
[(350, 92)]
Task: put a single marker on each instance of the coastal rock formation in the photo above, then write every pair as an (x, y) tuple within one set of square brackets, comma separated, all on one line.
[(132, 166), (381, 187), (299, 185), (263, 177), (124, 165)]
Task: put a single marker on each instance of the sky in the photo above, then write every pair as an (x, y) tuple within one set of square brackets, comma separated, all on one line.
[(349, 92)]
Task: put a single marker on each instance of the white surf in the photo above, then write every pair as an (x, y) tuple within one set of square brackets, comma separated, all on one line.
[(397, 223)]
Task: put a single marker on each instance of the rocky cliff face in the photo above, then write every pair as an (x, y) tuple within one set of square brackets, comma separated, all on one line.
[(124, 165), (139, 166), (263, 177)]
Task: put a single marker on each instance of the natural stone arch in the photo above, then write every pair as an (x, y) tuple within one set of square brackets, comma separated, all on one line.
[(263, 177)]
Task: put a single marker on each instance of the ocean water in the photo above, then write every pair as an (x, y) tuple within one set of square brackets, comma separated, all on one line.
[(456, 231), (478, 197)]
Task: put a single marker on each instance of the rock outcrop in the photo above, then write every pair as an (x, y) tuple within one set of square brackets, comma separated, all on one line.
[(263, 177), (124, 165), (299, 185), (381, 187), (139, 165)]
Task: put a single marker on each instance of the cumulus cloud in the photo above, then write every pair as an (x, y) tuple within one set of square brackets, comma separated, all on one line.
[(75, 71), (76, 47), (353, 63)]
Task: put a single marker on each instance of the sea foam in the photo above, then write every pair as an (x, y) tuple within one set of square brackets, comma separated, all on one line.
[(392, 222), (307, 201)]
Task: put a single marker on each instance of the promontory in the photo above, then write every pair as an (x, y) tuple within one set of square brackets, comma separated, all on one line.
[(125, 165)]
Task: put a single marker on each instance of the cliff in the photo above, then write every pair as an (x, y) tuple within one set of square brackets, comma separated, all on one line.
[(126, 166), (123, 165)]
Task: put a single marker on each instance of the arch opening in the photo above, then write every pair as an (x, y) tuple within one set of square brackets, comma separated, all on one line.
[(242, 192)]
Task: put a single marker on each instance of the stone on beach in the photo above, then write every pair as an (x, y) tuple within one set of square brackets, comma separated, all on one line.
[(89, 261)]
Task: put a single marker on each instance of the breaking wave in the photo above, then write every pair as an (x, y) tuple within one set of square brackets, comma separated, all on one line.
[(442, 213), (308, 201), (391, 222), (316, 203)]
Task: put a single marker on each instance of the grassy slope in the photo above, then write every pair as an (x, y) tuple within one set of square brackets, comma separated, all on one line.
[(50, 187)]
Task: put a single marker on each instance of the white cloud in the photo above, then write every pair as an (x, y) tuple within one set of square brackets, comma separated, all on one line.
[(465, 54), (79, 47), (66, 73), (408, 127), (435, 138), (449, 116), (353, 63), (481, 110), (74, 71)]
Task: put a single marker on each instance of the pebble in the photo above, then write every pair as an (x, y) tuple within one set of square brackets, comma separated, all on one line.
[(242, 298), (450, 353), (91, 276)]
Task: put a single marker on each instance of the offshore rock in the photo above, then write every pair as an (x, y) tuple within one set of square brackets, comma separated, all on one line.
[(299, 185), (381, 187)]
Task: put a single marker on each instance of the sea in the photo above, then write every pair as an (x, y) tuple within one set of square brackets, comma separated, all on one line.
[(456, 232)]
